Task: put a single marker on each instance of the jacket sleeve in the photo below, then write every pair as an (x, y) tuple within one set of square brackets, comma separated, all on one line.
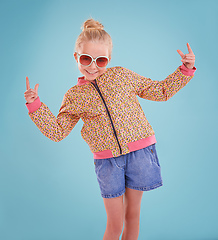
[(55, 128), (160, 90)]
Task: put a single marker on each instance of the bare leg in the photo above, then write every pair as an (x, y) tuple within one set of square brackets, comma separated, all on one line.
[(132, 204), (115, 212)]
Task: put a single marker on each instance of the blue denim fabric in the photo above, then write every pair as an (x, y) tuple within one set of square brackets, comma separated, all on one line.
[(138, 170)]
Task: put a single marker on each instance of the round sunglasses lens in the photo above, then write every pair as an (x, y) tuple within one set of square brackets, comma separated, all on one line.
[(102, 61), (85, 60)]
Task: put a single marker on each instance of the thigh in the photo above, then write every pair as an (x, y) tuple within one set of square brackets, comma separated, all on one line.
[(132, 202), (114, 209)]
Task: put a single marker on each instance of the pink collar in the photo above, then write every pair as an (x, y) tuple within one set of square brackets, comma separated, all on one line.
[(82, 81)]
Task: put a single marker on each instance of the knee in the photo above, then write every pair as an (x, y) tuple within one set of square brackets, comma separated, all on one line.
[(132, 217), (115, 228)]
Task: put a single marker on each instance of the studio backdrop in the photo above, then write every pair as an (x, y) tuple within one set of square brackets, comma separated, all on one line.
[(49, 190)]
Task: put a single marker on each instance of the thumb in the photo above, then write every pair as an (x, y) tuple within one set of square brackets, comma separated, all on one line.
[(181, 53), (36, 88)]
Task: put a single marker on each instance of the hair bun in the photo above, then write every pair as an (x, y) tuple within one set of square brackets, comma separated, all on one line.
[(91, 24)]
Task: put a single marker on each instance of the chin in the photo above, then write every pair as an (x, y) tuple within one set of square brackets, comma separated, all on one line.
[(90, 78)]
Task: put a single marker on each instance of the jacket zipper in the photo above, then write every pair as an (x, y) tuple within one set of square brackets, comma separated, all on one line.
[(97, 88)]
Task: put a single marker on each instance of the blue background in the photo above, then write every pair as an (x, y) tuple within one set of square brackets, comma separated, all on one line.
[(49, 190)]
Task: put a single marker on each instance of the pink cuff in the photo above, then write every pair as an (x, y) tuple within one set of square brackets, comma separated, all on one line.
[(32, 107), (186, 71)]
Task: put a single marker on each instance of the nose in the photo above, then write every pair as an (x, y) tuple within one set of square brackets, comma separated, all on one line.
[(93, 65)]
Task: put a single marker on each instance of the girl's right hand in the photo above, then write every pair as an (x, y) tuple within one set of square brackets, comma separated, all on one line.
[(30, 94)]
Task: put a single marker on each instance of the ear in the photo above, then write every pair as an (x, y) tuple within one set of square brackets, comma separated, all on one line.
[(75, 56)]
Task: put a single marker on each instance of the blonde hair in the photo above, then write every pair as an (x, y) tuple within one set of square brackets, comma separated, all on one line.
[(94, 31)]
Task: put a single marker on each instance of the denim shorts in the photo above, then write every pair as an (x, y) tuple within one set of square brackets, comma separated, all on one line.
[(139, 170)]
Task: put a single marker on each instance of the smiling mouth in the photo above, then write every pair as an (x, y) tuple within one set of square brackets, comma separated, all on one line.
[(92, 73)]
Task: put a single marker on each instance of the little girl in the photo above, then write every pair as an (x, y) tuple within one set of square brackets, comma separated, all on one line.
[(115, 127)]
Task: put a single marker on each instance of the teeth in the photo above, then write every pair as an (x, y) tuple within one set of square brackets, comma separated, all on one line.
[(91, 72)]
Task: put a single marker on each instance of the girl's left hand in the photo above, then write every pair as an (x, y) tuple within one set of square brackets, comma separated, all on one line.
[(188, 59)]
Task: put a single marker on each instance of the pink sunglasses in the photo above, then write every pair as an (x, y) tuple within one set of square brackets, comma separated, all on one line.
[(87, 60)]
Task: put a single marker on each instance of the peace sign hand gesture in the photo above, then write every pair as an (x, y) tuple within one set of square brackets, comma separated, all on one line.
[(188, 59), (30, 94)]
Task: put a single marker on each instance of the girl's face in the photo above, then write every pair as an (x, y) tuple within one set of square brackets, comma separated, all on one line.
[(95, 49)]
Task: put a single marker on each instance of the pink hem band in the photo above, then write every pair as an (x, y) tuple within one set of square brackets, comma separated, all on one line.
[(133, 146), (142, 143), (103, 154), (32, 107), (186, 71)]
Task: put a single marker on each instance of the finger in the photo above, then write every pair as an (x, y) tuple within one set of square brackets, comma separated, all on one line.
[(30, 91), (30, 94), (181, 53), (36, 88), (189, 48), (192, 57), (27, 83), (189, 57)]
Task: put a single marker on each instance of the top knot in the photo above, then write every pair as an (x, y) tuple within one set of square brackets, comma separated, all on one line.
[(93, 31), (91, 24)]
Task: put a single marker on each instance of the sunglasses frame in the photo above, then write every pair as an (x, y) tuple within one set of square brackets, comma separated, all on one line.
[(93, 59)]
